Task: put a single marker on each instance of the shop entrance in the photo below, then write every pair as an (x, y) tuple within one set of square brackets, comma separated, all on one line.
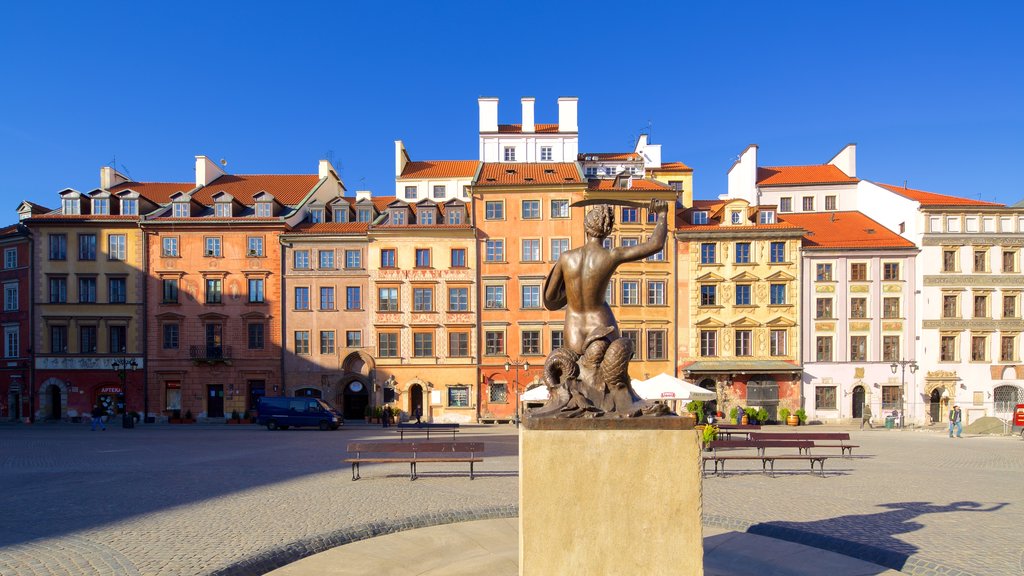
[(415, 401), (215, 401), (14, 405), (935, 406), (858, 403), (110, 399), (355, 400)]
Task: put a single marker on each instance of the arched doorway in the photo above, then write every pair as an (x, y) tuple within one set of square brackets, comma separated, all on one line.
[(308, 393), (52, 403), (711, 406), (415, 401), (935, 405), (53, 397), (355, 399), (857, 408)]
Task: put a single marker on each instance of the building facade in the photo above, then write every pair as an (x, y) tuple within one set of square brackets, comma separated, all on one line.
[(16, 320)]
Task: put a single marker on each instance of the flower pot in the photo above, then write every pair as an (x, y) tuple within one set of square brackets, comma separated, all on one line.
[(792, 420), (744, 420)]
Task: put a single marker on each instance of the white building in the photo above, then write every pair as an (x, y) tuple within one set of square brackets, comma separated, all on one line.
[(529, 141), (435, 180)]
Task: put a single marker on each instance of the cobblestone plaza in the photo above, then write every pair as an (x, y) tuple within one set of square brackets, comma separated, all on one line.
[(221, 500)]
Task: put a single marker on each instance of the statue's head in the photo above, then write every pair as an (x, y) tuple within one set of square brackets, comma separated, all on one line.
[(599, 221)]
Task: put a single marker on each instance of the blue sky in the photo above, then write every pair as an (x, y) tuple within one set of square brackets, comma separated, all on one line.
[(932, 92)]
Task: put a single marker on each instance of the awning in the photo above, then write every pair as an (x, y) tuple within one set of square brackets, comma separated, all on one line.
[(742, 367)]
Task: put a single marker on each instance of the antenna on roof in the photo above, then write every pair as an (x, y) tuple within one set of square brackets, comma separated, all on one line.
[(832, 217), (904, 184), (329, 155), (125, 170)]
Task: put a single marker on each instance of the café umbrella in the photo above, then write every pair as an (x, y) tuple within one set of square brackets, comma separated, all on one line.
[(661, 387)]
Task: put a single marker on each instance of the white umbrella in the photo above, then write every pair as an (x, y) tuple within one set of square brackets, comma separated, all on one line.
[(665, 387), (535, 394)]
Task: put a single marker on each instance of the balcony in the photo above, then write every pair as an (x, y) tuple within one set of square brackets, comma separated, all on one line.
[(209, 354)]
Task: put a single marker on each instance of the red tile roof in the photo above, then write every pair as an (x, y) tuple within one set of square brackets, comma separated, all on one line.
[(610, 156), (801, 175), (826, 230), (635, 184), (715, 227), (288, 189), (673, 167), (933, 199), (83, 217), (9, 230), (518, 128), (332, 228), (524, 174), (441, 169), (159, 192)]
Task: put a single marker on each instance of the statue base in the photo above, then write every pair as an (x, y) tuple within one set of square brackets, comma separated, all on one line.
[(610, 496)]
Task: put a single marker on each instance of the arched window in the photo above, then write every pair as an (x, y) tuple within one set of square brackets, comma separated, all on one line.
[(1006, 397), (308, 393)]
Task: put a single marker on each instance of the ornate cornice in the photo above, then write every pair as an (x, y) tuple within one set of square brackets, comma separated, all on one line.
[(993, 280), (955, 239), (978, 324)]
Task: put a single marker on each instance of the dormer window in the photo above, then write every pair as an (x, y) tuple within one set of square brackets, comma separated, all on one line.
[(426, 217), (699, 217), (398, 217), (129, 207), (71, 206), (222, 210), (454, 215), (766, 217), (316, 215), (180, 210), (364, 215), (340, 215), (609, 171), (100, 206), (735, 217), (591, 171)]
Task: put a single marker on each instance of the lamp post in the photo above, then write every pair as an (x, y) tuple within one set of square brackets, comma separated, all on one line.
[(517, 364), (902, 365), (123, 366)]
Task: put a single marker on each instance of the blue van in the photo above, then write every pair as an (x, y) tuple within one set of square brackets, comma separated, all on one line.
[(282, 412)]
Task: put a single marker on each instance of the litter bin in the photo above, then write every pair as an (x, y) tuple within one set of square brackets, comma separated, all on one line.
[(889, 422)]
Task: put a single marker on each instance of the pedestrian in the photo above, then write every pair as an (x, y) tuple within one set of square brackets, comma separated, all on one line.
[(418, 414), (385, 416), (955, 417), (865, 417), (97, 418)]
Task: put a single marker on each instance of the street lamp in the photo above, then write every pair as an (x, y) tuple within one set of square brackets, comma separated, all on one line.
[(122, 366), (902, 365), (509, 364)]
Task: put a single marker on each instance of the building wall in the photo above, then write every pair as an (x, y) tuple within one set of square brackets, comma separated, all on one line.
[(15, 369)]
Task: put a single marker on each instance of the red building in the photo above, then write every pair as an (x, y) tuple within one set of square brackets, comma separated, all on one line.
[(15, 318)]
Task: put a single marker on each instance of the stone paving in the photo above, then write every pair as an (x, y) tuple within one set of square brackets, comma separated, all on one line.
[(241, 500)]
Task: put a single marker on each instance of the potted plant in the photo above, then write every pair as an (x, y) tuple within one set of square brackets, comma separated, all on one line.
[(188, 419), (785, 415), (696, 407), (732, 415), (801, 416), (236, 418), (751, 415), (762, 416), (709, 434)]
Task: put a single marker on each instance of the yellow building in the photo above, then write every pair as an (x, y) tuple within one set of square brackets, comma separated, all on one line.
[(678, 176)]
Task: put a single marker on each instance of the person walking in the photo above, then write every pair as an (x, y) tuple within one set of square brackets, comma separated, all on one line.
[(97, 418), (955, 418), (865, 417)]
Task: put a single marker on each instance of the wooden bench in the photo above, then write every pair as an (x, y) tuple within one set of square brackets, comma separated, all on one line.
[(425, 427), (767, 460), (840, 440), (730, 430), (414, 453)]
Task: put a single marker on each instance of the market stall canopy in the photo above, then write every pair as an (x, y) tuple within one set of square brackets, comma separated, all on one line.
[(665, 387), (535, 394)]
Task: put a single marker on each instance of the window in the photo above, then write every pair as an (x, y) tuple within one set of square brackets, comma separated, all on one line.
[(354, 338), (117, 337), (708, 295), (890, 348), (949, 260), (808, 203), (531, 342), (629, 242), (326, 258), (823, 272), (397, 217), (10, 297), (100, 206), (458, 396), (302, 341), (340, 214), (169, 247), (423, 257), (590, 171), (254, 246), (557, 339), (213, 247), (129, 207), (655, 344), (655, 293), (458, 257), (823, 308), (494, 343), (387, 258), (387, 299), (410, 192), (58, 246), (300, 260), (425, 216), (223, 210), (890, 307), (949, 305), (494, 251), (353, 259), (423, 299), (744, 341), (609, 293), (785, 204), (545, 153), (743, 294), (634, 337), (858, 348), (458, 344), (778, 252), (87, 290), (87, 339), (559, 208), (735, 217), (531, 250), (830, 202), (458, 299), (707, 253), (1009, 261), (180, 210), (891, 398), (979, 348), (58, 339), (440, 191), (981, 260), (494, 210), (658, 256), (71, 206), (858, 272), (777, 343), (170, 290), (255, 290), (891, 271), (213, 291), (116, 244), (1010, 306), (387, 345), (947, 348), (171, 336), (676, 185), (699, 217), (823, 346), (327, 341), (494, 297), (607, 243), (255, 333), (708, 343), (981, 306), (353, 298), (510, 154), (531, 296), (858, 307), (497, 393), (1008, 349), (264, 210), (302, 298), (629, 215), (117, 290), (364, 215), (327, 297), (630, 293), (766, 217), (777, 294), (743, 252), (531, 209), (824, 397), (58, 290), (86, 246), (558, 245)]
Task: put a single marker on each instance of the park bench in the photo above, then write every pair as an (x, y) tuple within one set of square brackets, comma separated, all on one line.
[(426, 427), (767, 460), (730, 430), (413, 453), (839, 440)]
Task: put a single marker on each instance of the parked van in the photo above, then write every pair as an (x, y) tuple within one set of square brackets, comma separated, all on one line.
[(281, 412)]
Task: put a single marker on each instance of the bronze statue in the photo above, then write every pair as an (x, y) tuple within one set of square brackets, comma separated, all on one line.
[(589, 375)]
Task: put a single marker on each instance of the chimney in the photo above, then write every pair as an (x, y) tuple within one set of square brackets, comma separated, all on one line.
[(846, 160), (528, 125), (325, 169), (567, 114), (488, 113), (401, 158), (363, 195), (206, 171), (110, 178)]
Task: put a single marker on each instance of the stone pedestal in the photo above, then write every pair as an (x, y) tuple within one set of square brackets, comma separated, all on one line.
[(610, 496)]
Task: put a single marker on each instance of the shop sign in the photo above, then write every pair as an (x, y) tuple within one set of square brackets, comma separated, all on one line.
[(110, 390)]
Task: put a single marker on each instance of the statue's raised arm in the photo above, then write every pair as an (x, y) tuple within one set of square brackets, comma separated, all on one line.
[(654, 244)]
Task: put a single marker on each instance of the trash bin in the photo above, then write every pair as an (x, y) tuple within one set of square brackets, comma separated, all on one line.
[(889, 422)]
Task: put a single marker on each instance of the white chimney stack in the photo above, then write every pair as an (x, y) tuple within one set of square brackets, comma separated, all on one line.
[(488, 114), (401, 158), (206, 171), (846, 160), (325, 168), (363, 195), (110, 178), (528, 124), (567, 114)]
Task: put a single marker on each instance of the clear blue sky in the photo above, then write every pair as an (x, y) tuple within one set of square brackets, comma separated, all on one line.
[(932, 92)]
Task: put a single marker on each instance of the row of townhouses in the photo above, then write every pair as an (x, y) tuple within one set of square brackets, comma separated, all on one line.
[(802, 287)]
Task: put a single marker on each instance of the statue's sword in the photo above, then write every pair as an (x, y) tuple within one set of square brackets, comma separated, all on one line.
[(610, 201)]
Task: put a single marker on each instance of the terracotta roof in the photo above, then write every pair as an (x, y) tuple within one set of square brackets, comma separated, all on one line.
[(159, 192), (332, 228), (288, 189), (420, 226), (609, 156), (518, 128), (635, 184), (440, 169), (715, 227), (38, 207), (524, 174), (83, 217), (13, 228), (672, 167), (844, 230), (707, 204), (933, 199), (801, 175)]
